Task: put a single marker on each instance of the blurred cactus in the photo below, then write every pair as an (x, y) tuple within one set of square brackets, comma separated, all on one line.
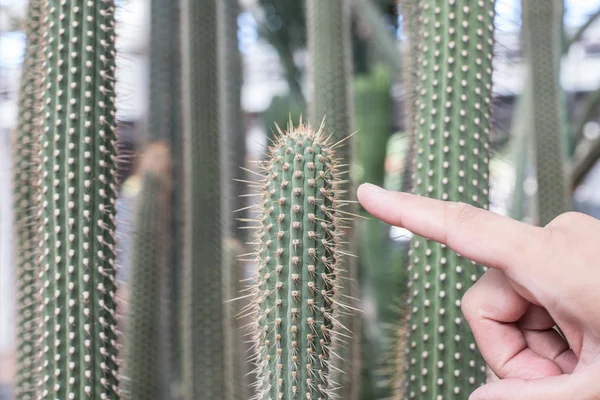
[(153, 359), (543, 40), (296, 293), (145, 363), (204, 369), (452, 109), (26, 203), (330, 72), (234, 281), (78, 357), (232, 121), (373, 109)]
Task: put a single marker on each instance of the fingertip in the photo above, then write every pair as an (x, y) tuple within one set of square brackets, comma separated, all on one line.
[(367, 191)]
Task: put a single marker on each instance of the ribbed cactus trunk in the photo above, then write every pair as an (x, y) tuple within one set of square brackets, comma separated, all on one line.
[(152, 363), (330, 75), (26, 203), (203, 301), (409, 10), (232, 122), (78, 184), (542, 25), (455, 43), (145, 365), (295, 296)]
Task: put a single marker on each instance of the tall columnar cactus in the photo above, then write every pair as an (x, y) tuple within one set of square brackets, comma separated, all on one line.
[(330, 74), (146, 356), (78, 190), (164, 258), (232, 127), (26, 203), (455, 43), (543, 34), (205, 373), (296, 293)]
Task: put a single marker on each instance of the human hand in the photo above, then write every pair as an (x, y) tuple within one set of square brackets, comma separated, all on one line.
[(538, 278)]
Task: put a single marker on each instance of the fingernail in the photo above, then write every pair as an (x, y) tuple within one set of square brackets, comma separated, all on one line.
[(372, 188)]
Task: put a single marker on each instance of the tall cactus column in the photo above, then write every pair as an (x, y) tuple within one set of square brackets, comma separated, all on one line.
[(452, 108), (78, 191), (26, 203), (203, 302), (542, 24), (330, 78)]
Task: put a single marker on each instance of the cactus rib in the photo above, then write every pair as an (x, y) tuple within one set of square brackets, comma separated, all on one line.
[(78, 184), (298, 267), (452, 108)]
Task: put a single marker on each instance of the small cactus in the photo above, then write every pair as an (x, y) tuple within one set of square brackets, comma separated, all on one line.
[(452, 113), (26, 202), (78, 352), (297, 290)]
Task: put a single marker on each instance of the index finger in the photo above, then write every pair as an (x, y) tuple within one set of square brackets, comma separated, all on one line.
[(482, 236)]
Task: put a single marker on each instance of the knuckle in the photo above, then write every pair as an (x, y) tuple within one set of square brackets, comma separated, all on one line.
[(567, 219), (468, 303)]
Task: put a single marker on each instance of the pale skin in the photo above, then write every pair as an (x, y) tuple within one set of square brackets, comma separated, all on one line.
[(538, 278)]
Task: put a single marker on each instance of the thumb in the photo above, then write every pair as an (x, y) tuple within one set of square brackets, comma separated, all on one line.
[(552, 388)]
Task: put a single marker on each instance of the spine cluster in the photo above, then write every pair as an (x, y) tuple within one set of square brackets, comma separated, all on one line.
[(78, 194), (298, 266), (452, 111)]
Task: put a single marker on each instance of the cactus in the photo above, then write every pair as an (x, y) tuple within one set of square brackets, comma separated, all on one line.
[(145, 351), (543, 35), (234, 278), (373, 108), (78, 357), (165, 129), (232, 127), (296, 293), (330, 72), (25, 179), (452, 108), (204, 369)]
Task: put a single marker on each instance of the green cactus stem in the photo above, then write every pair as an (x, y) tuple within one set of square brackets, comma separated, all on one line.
[(26, 203), (330, 102), (296, 293), (204, 344), (165, 129), (234, 282), (145, 345), (232, 126), (543, 35), (78, 357), (452, 111)]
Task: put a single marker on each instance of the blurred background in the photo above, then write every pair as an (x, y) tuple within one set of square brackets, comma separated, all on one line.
[(273, 46)]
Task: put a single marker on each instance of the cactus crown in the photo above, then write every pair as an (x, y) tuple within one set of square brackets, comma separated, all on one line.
[(298, 263)]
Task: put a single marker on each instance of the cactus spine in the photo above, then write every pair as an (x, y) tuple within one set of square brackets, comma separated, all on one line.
[(452, 108), (543, 33), (203, 303), (78, 185), (298, 260), (26, 203), (330, 74)]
